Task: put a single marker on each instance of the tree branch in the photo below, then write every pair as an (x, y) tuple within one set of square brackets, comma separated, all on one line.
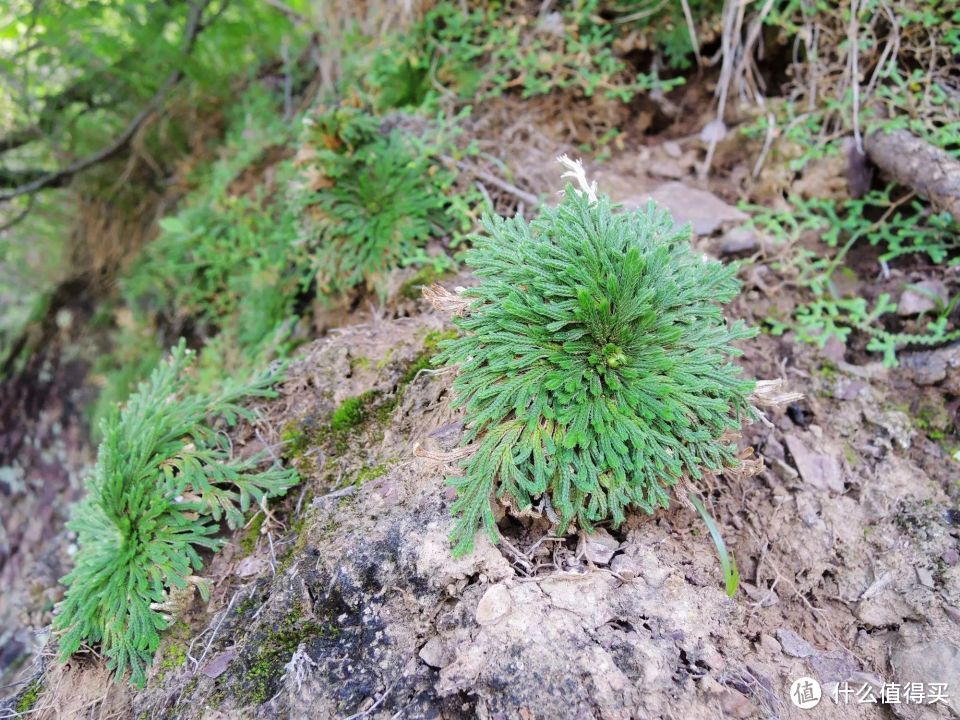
[(20, 137), (58, 178), (19, 216), (83, 93)]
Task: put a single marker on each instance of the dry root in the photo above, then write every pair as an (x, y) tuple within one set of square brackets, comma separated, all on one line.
[(767, 395), (445, 301)]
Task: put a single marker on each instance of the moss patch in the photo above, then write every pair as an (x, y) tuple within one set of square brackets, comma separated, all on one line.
[(353, 413), (369, 473), (265, 667), (349, 414), (934, 420), (28, 698), (431, 343), (251, 534)]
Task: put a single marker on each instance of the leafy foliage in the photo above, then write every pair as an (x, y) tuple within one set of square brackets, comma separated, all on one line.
[(74, 76), (78, 71), (163, 481), (381, 194), (483, 52), (594, 364)]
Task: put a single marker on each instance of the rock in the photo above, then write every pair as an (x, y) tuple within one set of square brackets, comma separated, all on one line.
[(922, 297), (820, 470), (882, 611), (666, 169), (764, 596), (851, 390), (435, 653), (952, 613), (834, 350), (738, 240), (598, 547), (773, 449), (655, 577), (936, 661), (896, 424), (833, 666), (769, 644), (951, 557), (925, 577), (794, 645), (736, 705), (494, 605), (672, 148), (625, 566), (218, 666), (783, 471), (714, 131), (702, 209), (932, 366)]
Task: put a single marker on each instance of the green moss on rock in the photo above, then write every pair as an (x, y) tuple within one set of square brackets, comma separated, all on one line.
[(28, 698), (265, 668)]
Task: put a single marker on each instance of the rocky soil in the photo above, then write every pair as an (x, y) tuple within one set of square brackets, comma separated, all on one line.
[(345, 602)]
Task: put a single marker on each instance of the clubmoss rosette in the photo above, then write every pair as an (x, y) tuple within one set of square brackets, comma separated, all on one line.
[(595, 364)]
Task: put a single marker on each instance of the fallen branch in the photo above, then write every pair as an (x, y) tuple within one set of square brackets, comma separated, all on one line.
[(913, 162), (58, 178)]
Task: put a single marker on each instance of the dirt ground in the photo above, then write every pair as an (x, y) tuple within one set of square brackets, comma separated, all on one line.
[(346, 602)]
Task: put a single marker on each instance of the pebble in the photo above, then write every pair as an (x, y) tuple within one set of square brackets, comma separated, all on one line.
[(794, 645), (702, 209), (739, 240), (598, 547), (435, 653), (820, 470), (925, 577), (936, 661), (656, 576), (922, 297), (950, 557), (494, 605), (736, 705), (625, 566), (770, 644)]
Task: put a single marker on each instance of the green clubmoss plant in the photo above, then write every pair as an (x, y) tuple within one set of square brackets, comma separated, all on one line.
[(594, 364), (164, 479), (383, 195)]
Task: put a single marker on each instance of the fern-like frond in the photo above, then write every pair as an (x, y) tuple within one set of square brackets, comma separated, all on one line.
[(163, 480)]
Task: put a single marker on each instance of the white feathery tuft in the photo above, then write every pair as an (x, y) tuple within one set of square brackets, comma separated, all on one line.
[(575, 170)]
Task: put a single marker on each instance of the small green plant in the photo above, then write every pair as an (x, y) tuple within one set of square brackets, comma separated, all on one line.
[(594, 365), (728, 563), (900, 229), (382, 194), (28, 699), (164, 480)]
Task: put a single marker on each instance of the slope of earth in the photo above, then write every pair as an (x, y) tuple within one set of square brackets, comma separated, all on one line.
[(846, 542)]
